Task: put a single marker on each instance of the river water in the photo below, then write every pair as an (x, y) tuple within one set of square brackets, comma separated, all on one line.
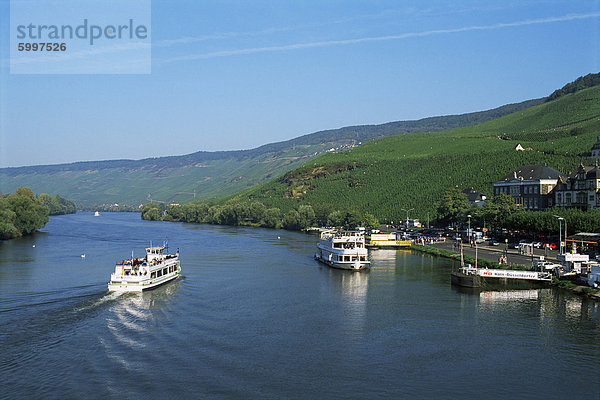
[(254, 316)]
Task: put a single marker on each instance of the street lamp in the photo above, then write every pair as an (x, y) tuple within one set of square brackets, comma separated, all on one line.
[(560, 232), (469, 231), (410, 209)]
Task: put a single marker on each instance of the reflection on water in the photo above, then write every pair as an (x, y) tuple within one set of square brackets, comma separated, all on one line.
[(353, 285), (352, 288), (573, 308), (508, 295), (383, 254)]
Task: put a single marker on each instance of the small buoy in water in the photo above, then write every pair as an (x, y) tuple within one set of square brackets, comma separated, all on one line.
[(278, 237), (33, 245), (83, 256)]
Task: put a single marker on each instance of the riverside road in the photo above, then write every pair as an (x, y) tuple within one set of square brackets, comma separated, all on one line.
[(493, 253)]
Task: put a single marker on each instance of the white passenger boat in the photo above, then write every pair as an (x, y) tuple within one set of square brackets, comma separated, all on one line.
[(96, 214), (139, 274), (343, 249)]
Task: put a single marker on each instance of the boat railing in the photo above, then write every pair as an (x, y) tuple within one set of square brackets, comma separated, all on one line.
[(468, 269), (349, 235)]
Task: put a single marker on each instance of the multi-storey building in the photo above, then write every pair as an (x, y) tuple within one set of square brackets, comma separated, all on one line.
[(581, 189), (530, 185)]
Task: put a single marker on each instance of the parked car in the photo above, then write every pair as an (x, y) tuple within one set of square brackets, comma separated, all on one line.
[(513, 245), (493, 242), (537, 245), (551, 246)]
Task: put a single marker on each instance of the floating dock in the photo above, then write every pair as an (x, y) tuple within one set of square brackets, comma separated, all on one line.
[(477, 277)]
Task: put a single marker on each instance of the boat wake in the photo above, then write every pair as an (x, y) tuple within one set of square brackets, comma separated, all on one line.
[(33, 315)]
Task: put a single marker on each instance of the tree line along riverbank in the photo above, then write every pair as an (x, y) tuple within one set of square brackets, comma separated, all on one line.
[(22, 213)]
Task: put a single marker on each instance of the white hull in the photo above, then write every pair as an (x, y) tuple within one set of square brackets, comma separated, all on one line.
[(350, 266), (140, 286)]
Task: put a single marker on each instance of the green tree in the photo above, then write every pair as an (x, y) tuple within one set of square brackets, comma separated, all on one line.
[(370, 222), (322, 211), (30, 215), (453, 206), (497, 210), (25, 192), (271, 218), (306, 216), (257, 211), (291, 221), (228, 215), (8, 230), (336, 218), (353, 218), (151, 212)]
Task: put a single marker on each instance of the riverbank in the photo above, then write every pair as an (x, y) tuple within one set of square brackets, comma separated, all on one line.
[(584, 291), (482, 262), (565, 285)]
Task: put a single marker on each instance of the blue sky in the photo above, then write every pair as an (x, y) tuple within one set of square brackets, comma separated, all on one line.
[(238, 74)]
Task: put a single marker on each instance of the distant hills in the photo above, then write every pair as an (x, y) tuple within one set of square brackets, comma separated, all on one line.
[(390, 175), (583, 82), (204, 175)]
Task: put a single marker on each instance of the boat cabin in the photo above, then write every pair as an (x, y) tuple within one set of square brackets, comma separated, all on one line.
[(155, 253), (572, 262), (344, 239)]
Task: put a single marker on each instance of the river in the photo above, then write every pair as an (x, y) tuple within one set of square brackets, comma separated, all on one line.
[(254, 316)]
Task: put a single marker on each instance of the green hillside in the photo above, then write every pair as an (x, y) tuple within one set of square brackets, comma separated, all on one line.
[(387, 175), (204, 175)]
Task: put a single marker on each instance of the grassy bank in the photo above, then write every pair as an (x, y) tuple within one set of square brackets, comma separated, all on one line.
[(571, 287), (468, 259)]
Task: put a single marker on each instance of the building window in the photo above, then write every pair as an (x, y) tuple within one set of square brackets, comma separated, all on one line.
[(535, 189), (535, 203), (568, 199)]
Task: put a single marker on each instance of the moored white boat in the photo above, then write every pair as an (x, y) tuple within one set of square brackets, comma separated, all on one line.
[(96, 214), (593, 277), (343, 249), (139, 274)]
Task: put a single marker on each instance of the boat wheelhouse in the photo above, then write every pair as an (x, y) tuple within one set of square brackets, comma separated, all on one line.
[(343, 249), (139, 274)]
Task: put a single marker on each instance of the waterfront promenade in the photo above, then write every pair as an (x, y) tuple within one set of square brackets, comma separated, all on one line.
[(493, 253)]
